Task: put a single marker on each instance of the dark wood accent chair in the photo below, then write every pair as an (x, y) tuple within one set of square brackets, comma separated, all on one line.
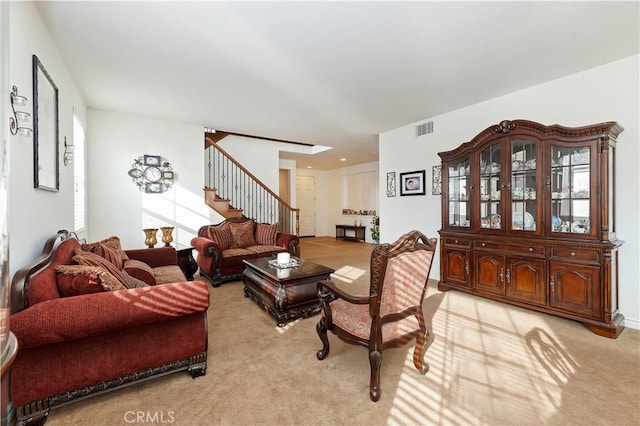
[(391, 315)]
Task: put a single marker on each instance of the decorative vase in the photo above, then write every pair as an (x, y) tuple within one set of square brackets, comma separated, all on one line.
[(166, 235), (150, 237)]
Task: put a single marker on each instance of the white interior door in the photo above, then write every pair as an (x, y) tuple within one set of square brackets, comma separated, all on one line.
[(306, 200)]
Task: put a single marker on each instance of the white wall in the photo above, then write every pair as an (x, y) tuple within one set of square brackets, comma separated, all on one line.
[(115, 205), (606, 93), (259, 156), (34, 214), (290, 165)]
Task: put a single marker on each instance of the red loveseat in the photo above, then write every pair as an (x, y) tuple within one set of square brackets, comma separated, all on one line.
[(71, 347), (222, 248)]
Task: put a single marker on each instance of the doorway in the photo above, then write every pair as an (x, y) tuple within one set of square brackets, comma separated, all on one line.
[(306, 199)]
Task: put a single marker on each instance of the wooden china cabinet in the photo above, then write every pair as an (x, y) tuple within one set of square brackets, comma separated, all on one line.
[(528, 219)]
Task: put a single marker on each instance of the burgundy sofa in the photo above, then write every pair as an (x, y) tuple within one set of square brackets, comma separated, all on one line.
[(74, 347), (222, 247)]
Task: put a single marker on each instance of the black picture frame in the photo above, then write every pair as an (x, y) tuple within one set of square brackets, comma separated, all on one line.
[(46, 165), (412, 183), (391, 184)]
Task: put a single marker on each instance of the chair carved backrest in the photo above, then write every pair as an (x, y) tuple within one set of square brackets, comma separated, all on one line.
[(399, 273)]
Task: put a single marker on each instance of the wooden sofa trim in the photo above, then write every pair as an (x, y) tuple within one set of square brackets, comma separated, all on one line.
[(19, 284), (37, 411)]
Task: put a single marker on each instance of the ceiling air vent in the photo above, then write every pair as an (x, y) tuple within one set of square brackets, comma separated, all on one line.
[(424, 128)]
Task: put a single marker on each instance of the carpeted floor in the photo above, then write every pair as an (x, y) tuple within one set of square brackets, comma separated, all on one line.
[(491, 364)]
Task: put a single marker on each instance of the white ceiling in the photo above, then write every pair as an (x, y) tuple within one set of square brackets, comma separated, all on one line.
[(328, 73)]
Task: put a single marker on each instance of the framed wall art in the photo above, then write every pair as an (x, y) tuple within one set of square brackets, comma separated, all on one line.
[(391, 184), (45, 129), (412, 183), (436, 180)]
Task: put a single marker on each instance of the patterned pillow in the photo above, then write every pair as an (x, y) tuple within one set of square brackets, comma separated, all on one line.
[(75, 280), (108, 248), (140, 270), (91, 259), (242, 234), (266, 234), (221, 235)]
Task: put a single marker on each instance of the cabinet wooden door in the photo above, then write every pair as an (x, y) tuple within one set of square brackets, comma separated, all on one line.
[(456, 267), (573, 184), (457, 191), (490, 200), (575, 288), (524, 213), (526, 280), (489, 272)]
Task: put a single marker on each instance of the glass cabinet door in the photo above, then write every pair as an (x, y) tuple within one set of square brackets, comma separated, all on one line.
[(490, 187), (459, 185), (570, 189), (524, 204)]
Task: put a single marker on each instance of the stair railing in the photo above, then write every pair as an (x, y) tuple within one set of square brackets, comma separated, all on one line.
[(235, 183)]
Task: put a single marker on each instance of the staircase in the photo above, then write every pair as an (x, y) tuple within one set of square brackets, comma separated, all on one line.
[(232, 191)]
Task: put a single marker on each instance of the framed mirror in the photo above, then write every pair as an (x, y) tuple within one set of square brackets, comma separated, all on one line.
[(45, 129)]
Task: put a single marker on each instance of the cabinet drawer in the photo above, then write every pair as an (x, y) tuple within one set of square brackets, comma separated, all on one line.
[(593, 256), (510, 247), (457, 242)]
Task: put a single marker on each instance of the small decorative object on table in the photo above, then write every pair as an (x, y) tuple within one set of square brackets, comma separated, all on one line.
[(150, 237), (167, 238), (291, 263)]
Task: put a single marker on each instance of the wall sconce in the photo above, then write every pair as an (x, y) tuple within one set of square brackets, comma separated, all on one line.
[(19, 116), (68, 152)]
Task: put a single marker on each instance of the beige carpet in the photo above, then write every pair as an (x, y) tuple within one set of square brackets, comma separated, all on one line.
[(491, 364)]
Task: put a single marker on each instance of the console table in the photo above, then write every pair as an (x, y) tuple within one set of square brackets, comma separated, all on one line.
[(358, 232)]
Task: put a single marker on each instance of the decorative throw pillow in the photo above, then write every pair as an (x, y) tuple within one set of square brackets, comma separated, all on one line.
[(110, 249), (242, 234), (221, 235), (88, 258), (266, 234), (75, 280), (136, 283), (140, 270)]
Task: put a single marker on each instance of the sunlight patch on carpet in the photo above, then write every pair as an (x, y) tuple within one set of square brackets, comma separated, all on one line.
[(288, 326), (510, 365), (348, 273)]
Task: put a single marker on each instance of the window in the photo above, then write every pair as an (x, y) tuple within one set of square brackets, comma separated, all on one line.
[(79, 196)]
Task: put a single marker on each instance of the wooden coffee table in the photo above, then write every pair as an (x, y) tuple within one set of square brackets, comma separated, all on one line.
[(286, 294)]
